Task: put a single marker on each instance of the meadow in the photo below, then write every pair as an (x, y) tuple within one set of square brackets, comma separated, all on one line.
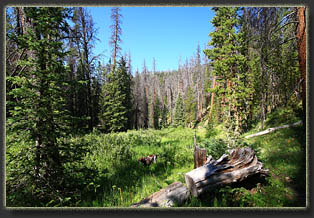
[(102, 170)]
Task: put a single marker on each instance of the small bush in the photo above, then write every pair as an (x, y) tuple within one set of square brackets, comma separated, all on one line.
[(215, 147)]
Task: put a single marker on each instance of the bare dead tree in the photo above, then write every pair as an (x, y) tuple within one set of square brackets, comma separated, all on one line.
[(116, 29)]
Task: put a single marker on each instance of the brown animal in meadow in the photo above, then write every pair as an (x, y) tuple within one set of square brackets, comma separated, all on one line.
[(146, 161)]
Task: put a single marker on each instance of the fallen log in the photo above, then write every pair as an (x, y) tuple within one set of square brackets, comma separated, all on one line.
[(240, 164), (174, 194), (201, 117), (269, 130)]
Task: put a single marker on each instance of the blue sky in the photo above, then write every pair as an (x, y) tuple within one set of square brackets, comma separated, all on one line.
[(164, 33)]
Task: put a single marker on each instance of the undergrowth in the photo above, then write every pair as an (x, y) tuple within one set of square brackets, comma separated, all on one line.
[(101, 170)]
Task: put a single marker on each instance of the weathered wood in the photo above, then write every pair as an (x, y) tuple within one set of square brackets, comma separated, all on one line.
[(199, 154), (174, 194), (235, 167), (269, 130), (199, 157)]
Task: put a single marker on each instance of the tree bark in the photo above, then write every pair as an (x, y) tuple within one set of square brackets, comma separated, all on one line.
[(199, 154), (239, 165), (212, 97), (199, 157), (301, 35), (174, 194)]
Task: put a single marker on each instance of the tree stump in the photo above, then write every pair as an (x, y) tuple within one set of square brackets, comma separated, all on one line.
[(199, 154), (176, 193), (240, 164), (199, 157)]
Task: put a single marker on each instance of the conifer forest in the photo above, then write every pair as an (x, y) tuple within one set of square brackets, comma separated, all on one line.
[(81, 132)]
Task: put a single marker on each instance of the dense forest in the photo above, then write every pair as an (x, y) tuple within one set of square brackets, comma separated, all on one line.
[(75, 126)]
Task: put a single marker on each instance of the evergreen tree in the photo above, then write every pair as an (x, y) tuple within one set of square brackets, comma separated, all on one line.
[(84, 34), (39, 111), (151, 107), (190, 108), (178, 118), (207, 86), (272, 58), (137, 100), (164, 114), (117, 100), (230, 66), (156, 113)]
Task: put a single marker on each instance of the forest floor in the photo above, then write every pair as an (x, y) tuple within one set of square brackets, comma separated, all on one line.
[(110, 175)]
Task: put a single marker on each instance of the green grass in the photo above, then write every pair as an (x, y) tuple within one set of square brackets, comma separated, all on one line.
[(117, 179), (283, 152), (104, 170)]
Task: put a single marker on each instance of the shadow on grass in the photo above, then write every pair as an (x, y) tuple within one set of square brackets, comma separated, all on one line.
[(288, 162), (132, 176)]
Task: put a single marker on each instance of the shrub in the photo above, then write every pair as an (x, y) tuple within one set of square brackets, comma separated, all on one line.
[(281, 116), (215, 147)]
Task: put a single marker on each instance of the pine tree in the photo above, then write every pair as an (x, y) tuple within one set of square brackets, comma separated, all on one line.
[(151, 108), (190, 108), (178, 118), (137, 100), (229, 66), (84, 36), (164, 114), (117, 100), (272, 58), (207, 86), (39, 111), (156, 113)]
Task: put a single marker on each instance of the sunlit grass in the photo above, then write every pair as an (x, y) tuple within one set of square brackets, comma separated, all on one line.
[(110, 175)]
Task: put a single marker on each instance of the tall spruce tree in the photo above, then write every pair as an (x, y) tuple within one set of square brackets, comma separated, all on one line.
[(116, 115), (229, 66), (178, 117), (39, 111)]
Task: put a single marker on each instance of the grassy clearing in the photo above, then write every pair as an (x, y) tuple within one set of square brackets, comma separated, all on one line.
[(130, 183), (104, 171)]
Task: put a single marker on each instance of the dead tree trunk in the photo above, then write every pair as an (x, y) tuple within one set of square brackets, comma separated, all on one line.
[(202, 116), (269, 130), (174, 194), (199, 157), (235, 167), (301, 35), (212, 98)]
